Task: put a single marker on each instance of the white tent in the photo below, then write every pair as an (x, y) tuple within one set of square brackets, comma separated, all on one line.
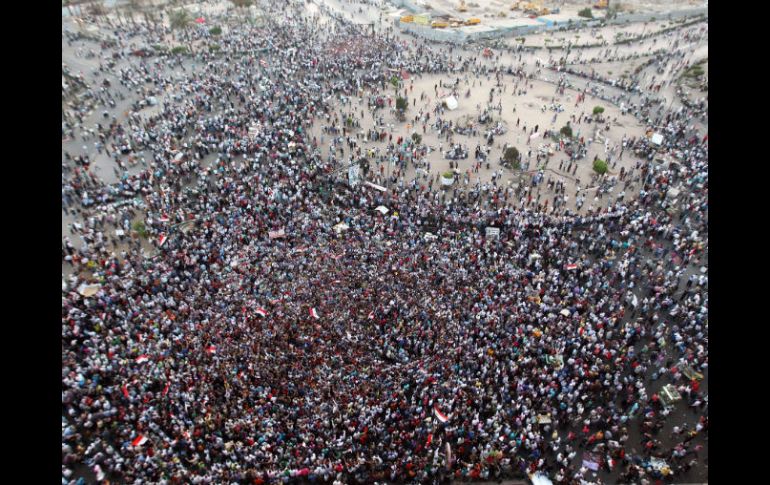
[(657, 138), (451, 103), (382, 209)]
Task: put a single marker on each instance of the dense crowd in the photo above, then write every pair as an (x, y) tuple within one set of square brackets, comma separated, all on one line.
[(285, 327)]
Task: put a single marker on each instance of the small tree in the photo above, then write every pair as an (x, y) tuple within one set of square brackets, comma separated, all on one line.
[(215, 30), (600, 166), (511, 157), (598, 110), (416, 138), (401, 104), (140, 229), (394, 82), (566, 130), (586, 12)]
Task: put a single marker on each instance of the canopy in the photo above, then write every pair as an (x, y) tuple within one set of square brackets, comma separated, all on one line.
[(657, 138), (382, 210), (200, 20), (451, 103)]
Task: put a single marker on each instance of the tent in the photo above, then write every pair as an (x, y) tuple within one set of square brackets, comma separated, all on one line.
[(657, 139), (540, 479), (451, 103), (382, 210)]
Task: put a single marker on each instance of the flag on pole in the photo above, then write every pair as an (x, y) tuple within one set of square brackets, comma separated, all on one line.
[(430, 440), (570, 267), (162, 240), (371, 315), (163, 218), (439, 415), (125, 390), (165, 389), (139, 441), (261, 312), (314, 313), (211, 349), (142, 358)]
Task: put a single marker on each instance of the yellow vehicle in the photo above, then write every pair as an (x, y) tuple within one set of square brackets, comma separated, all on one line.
[(472, 21), (462, 7), (407, 19), (439, 24), (602, 4)]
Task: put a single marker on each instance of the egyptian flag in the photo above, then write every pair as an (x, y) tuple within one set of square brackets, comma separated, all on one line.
[(125, 391), (263, 63), (439, 415), (163, 218), (165, 389), (162, 240), (142, 358), (314, 313), (371, 315), (261, 312), (139, 441), (570, 267), (430, 440), (211, 349)]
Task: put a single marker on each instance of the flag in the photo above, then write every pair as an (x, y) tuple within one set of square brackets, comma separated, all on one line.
[(125, 390), (162, 240), (430, 440), (274, 301), (163, 218), (165, 389), (314, 313), (200, 20), (371, 315), (261, 312), (570, 267), (139, 441), (276, 234), (441, 416), (263, 63), (211, 349), (142, 358)]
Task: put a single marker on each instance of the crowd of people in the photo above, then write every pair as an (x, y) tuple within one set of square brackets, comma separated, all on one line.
[(279, 325)]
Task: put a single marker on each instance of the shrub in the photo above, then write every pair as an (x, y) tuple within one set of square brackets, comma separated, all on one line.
[(401, 104), (598, 110), (417, 138), (215, 30), (214, 47), (448, 175), (566, 130), (586, 12), (180, 49), (394, 81), (600, 166)]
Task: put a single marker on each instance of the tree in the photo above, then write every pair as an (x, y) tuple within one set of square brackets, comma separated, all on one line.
[(416, 138), (566, 130), (600, 166), (511, 157), (401, 104), (215, 30), (241, 3), (586, 13), (180, 19), (598, 110)]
